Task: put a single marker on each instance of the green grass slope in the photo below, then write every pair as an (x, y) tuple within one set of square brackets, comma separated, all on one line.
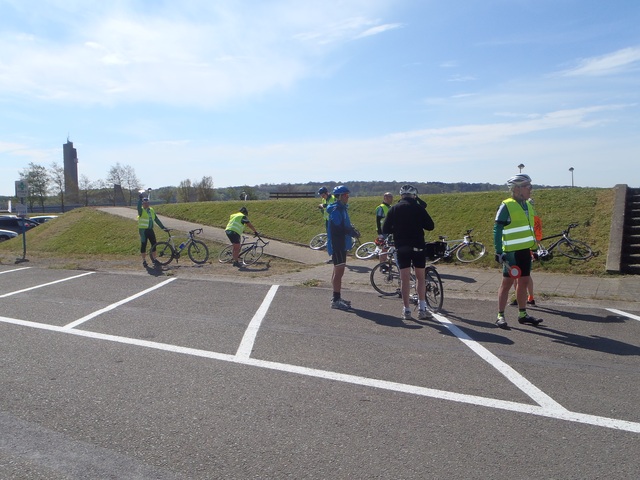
[(89, 232)]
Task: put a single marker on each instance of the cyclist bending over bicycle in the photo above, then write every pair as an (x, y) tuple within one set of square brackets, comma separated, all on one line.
[(406, 221), (235, 229)]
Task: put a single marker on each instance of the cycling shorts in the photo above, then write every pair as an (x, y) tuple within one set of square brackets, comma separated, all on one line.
[(408, 256), (520, 258), (234, 237)]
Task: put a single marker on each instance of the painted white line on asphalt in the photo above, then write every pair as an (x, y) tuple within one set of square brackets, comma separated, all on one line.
[(44, 285), (555, 413), (514, 377), (14, 270), (249, 338), (114, 305), (624, 314)]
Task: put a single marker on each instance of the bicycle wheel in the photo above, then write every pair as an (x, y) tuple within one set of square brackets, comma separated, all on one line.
[(435, 292), (163, 252), (226, 255), (252, 255), (318, 242), (574, 249), (366, 250), (470, 252), (385, 278), (198, 252)]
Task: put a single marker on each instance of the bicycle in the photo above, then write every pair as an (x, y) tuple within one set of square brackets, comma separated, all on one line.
[(371, 249), (196, 249), (385, 278), (250, 252), (465, 249), (567, 246), (319, 241)]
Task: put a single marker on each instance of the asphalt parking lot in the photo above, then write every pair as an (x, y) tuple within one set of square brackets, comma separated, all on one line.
[(108, 375)]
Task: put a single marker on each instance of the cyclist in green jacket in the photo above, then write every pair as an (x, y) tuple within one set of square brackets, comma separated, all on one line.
[(514, 239), (234, 230), (146, 217), (381, 213)]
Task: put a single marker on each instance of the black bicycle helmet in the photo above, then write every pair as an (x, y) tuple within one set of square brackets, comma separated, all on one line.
[(323, 190), (244, 211)]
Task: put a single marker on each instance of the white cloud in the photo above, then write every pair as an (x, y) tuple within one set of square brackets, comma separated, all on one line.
[(609, 64), (178, 58)]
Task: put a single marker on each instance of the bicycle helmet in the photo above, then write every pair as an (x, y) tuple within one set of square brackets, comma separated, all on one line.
[(518, 180), (323, 190), (244, 211), (340, 189), (408, 190), (145, 199)]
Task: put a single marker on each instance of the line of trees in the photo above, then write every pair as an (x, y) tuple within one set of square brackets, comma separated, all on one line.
[(121, 186)]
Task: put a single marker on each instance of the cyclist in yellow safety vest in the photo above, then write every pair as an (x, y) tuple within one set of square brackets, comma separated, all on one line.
[(234, 229), (514, 239), (381, 213), (146, 217), (327, 199)]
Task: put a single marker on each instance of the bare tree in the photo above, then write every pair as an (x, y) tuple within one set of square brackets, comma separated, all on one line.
[(131, 181), (184, 191), (56, 177), (125, 176), (38, 180), (85, 186), (204, 189)]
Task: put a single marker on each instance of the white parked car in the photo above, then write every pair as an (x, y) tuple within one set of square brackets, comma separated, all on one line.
[(6, 235), (43, 218)]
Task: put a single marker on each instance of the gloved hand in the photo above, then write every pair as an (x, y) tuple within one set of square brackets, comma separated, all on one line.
[(256, 233), (535, 255), (501, 257)]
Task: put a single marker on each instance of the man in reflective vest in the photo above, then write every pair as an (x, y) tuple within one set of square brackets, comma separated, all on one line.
[(146, 217), (514, 239), (234, 229), (381, 213)]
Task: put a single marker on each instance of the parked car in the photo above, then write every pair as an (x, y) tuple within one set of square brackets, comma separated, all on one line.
[(14, 224), (43, 218), (6, 235)]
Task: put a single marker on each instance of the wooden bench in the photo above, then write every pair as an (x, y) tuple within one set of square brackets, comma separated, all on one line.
[(278, 195)]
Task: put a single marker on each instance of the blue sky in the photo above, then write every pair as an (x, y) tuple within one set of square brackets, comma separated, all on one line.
[(272, 91)]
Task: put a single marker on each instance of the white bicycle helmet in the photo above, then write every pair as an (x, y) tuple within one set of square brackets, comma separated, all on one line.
[(408, 190), (518, 180)]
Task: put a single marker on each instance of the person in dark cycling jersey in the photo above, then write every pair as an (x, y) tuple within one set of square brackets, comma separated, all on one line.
[(406, 221)]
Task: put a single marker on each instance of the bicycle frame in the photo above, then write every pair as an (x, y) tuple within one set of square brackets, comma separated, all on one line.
[(457, 243), (575, 249)]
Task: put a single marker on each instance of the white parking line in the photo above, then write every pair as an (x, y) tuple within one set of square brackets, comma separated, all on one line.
[(514, 377), (14, 270), (559, 414), (44, 285), (114, 305), (624, 314), (249, 338)]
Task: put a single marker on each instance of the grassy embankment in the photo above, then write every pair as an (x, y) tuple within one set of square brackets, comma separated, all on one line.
[(87, 233)]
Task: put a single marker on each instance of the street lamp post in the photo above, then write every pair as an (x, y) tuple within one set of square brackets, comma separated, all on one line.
[(521, 166), (571, 170)]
